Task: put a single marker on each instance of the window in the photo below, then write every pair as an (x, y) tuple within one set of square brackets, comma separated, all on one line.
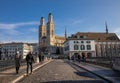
[(44, 34), (75, 36), (75, 47), (82, 41), (76, 42), (88, 47), (82, 47), (81, 36), (52, 33), (66, 48), (87, 41)]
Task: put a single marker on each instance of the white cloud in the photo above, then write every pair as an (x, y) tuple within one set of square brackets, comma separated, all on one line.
[(34, 29), (10, 32), (27, 23), (77, 21), (16, 25), (7, 26), (117, 31)]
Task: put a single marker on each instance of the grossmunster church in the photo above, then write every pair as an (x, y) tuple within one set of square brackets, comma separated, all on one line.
[(48, 41)]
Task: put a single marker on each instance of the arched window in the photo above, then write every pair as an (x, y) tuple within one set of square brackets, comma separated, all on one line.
[(88, 47), (75, 47), (82, 47)]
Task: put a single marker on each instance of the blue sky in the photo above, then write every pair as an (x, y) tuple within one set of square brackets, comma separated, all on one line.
[(19, 19)]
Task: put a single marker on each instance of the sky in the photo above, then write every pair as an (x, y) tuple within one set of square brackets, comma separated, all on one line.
[(20, 19)]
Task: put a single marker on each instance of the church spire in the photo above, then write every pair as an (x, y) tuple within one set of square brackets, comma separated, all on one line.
[(65, 33), (42, 21), (106, 27), (50, 18)]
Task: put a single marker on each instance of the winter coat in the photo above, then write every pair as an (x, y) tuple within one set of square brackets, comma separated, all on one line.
[(29, 58), (17, 60)]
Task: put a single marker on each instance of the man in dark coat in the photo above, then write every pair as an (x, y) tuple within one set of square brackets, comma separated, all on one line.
[(17, 61), (30, 60)]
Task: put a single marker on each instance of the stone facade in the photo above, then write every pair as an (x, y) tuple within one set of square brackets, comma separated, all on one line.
[(48, 41)]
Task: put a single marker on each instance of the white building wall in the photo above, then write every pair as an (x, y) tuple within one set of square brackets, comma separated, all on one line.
[(9, 50), (71, 51), (71, 45)]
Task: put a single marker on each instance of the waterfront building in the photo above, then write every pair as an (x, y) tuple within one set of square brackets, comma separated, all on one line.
[(8, 50), (106, 44), (79, 46)]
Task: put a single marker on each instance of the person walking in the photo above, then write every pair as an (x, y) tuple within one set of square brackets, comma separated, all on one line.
[(79, 57), (17, 61), (30, 60)]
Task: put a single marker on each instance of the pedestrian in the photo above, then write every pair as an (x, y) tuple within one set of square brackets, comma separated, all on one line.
[(17, 61), (79, 57), (83, 57), (30, 60), (68, 57), (39, 57)]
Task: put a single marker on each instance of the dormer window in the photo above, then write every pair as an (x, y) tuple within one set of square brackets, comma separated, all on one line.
[(81, 36)]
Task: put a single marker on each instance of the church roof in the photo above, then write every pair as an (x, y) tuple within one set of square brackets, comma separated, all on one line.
[(98, 36), (59, 37)]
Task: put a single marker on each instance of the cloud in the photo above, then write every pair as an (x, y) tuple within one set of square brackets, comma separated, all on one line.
[(7, 26), (34, 30), (77, 21), (16, 25), (16, 32), (117, 31)]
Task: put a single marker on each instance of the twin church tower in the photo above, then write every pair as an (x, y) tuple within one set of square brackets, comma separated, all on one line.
[(48, 41)]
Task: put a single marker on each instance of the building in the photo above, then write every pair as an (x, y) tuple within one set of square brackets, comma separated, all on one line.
[(8, 50), (106, 44), (79, 46), (48, 41)]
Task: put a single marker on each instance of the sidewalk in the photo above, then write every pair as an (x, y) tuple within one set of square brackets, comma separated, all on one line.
[(103, 72), (10, 76)]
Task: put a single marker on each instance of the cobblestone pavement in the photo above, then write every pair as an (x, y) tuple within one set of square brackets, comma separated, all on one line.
[(9, 75), (60, 71)]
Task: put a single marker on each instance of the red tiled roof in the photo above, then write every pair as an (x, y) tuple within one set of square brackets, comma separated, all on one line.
[(98, 36)]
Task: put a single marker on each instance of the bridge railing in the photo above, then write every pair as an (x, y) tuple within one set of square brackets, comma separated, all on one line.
[(7, 64), (103, 61)]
